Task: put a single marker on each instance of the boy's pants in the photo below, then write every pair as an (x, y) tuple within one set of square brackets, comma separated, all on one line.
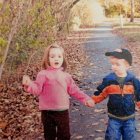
[(120, 128), (56, 125)]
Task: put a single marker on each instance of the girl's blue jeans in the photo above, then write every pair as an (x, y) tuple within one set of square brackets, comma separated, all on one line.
[(118, 129)]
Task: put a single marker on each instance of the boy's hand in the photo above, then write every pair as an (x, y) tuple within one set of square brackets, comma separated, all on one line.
[(26, 80), (90, 103)]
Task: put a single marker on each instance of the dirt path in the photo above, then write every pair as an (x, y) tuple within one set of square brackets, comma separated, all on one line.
[(89, 123)]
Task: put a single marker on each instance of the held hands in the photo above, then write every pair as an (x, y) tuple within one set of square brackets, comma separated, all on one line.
[(138, 105), (90, 103)]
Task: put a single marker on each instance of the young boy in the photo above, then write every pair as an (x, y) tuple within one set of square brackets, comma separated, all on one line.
[(123, 90)]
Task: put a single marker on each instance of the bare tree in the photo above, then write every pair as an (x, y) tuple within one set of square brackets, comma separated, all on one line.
[(132, 11), (61, 10)]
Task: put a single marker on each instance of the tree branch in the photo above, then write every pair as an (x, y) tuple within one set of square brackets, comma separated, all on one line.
[(75, 2)]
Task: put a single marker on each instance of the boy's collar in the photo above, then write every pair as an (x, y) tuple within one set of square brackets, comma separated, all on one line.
[(128, 76)]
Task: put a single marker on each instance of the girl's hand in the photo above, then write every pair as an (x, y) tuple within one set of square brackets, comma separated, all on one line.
[(138, 105), (90, 103), (26, 80)]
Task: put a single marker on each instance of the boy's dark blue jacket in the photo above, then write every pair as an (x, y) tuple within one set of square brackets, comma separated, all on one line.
[(121, 101)]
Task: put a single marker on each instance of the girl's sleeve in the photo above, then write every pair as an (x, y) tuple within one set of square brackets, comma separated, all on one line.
[(36, 86), (75, 91)]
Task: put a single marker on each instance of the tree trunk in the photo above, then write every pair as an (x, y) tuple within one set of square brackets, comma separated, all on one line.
[(62, 12), (132, 11), (5, 2), (10, 37)]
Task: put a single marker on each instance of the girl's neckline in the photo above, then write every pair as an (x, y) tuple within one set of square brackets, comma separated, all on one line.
[(52, 68)]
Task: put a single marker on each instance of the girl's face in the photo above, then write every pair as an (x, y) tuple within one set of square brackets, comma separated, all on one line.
[(119, 66), (56, 57)]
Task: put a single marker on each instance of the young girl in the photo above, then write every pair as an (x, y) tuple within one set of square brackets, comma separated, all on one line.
[(54, 85)]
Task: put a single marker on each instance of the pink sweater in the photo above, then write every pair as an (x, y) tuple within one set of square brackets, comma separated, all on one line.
[(54, 87)]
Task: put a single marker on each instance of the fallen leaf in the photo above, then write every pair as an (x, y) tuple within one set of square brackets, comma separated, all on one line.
[(3, 125)]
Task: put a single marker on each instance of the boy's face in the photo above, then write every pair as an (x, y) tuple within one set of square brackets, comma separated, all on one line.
[(119, 66)]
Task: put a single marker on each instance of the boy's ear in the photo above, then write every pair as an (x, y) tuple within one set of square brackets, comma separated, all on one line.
[(127, 64)]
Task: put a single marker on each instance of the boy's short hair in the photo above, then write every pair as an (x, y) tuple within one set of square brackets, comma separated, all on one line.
[(121, 54)]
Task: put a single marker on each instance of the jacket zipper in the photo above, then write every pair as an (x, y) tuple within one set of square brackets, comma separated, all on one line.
[(121, 88)]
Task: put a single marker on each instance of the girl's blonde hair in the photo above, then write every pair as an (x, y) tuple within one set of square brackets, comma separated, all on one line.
[(45, 61)]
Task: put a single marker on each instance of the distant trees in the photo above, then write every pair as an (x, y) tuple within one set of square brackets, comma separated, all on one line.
[(129, 8)]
